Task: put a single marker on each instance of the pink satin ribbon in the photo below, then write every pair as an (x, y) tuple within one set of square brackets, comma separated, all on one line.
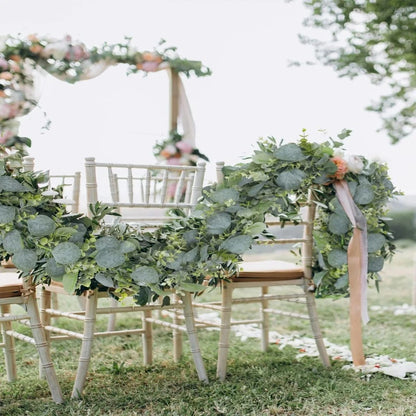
[(357, 270)]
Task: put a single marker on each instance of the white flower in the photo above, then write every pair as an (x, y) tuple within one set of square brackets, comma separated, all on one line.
[(57, 50), (355, 164), (170, 148)]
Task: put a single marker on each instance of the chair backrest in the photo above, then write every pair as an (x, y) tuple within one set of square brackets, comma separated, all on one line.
[(287, 234), (71, 184), (143, 193)]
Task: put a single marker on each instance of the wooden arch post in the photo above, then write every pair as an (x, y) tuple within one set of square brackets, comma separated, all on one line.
[(173, 99)]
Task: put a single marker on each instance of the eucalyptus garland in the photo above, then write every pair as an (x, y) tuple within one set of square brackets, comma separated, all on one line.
[(83, 252)]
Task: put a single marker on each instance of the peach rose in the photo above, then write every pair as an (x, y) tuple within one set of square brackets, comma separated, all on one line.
[(8, 76), (37, 49), (342, 167)]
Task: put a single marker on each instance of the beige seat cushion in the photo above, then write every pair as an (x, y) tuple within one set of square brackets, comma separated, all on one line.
[(10, 285), (268, 270)]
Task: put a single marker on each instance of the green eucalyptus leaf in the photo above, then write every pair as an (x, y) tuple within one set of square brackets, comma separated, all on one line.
[(256, 228), (65, 232), (218, 222), (375, 242), (190, 236), (54, 270), (339, 224), (290, 152), (69, 281), (127, 247), (290, 179), (238, 244), (337, 257), (254, 190), (9, 184), (191, 287), (342, 282), (110, 258), (144, 275), (364, 194), (13, 241), (66, 253), (143, 296), (7, 214), (25, 260), (318, 277), (225, 194), (104, 280), (106, 242), (41, 226), (261, 157), (203, 253), (375, 263), (191, 255)]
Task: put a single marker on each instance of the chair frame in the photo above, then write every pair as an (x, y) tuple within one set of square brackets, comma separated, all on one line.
[(28, 300)]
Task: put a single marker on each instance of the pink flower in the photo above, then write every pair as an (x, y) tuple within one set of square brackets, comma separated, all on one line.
[(76, 53), (342, 167), (149, 66), (8, 110), (184, 147), (174, 161), (3, 64)]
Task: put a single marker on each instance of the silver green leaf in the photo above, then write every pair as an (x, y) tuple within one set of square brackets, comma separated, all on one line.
[(337, 257), (54, 270), (127, 247), (238, 244), (107, 242), (7, 214), (66, 253), (339, 224), (13, 242), (145, 275), (375, 242), (9, 184), (290, 152), (375, 263), (25, 260), (41, 226), (364, 194), (104, 280), (226, 194), (342, 282), (110, 258), (218, 223), (290, 179)]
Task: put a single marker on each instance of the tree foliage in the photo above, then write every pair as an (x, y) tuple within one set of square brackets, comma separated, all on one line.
[(378, 39)]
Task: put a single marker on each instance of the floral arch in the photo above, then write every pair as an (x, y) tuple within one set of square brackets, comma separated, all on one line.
[(72, 61)]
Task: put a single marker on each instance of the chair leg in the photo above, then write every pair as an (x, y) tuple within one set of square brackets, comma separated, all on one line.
[(177, 334), (316, 329), (224, 342), (147, 338), (42, 344), (86, 346), (193, 339), (264, 320), (9, 351), (45, 318), (111, 324)]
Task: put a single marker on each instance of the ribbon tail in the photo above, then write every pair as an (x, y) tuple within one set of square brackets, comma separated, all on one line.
[(185, 115)]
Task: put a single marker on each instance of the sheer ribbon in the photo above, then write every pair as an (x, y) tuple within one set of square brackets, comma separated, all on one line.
[(357, 270), (185, 115)]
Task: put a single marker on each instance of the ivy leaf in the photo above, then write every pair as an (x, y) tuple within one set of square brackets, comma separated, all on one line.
[(342, 282), (238, 244), (339, 224), (375, 263), (218, 223), (104, 280), (7, 214), (375, 242), (54, 270), (337, 257), (66, 253), (364, 194), (290, 152), (13, 242), (226, 194), (290, 179), (110, 258), (25, 260), (144, 275), (9, 184), (41, 226)]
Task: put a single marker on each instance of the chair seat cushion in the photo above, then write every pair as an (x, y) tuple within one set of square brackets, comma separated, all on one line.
[(10, 285), (268, 270)]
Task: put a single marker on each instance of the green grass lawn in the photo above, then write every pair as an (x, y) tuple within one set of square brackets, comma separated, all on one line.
[(272, 383)]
